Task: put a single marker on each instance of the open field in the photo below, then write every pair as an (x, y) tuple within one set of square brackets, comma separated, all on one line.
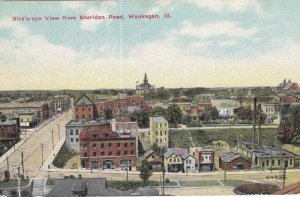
[(180, 138)]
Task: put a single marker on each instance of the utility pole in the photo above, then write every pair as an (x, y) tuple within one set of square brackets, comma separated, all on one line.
[(58, 132), (42, 146), (22, 162), (254, 119), (7, 163), (52, 140), (225, 171), (283, 177), (259, 122), (163, 176)]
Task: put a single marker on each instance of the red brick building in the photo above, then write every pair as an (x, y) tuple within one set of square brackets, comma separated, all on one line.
[(289, 99), (287, 88), (9, 134), (234, 161), (204, 158), (101, 148), (84, 108)]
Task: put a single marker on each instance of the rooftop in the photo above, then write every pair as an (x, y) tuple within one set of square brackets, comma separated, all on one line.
[(228, 157), (7, 122), (158, 119), (84, 100), (22, 105)]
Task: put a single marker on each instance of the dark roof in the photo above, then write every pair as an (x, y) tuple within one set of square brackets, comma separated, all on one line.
[(228, 157), (79, 185), (177, 151), (158, 119), (95, 187), (7, 122), (186, 155), (84, 100), (150, 152)]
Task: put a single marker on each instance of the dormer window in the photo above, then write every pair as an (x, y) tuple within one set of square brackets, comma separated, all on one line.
[(106, 135), (94, 135)]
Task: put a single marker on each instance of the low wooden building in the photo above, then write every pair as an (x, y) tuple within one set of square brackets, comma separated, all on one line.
[(234, 161)]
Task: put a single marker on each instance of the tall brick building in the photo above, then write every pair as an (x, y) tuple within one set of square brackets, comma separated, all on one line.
[(101, 148), (84, 108)]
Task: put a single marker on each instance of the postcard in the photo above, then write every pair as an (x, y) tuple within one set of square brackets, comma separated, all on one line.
[(149, 98)]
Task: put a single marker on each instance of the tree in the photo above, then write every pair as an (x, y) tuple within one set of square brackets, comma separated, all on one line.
[(186, 119), (174, 114), (142, 117), (108, 114), (145, 171), (214, 113), (205, 117), (244, 114), (289, 128)]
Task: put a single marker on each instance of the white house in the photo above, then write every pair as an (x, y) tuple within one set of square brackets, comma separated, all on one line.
[(189, 163)]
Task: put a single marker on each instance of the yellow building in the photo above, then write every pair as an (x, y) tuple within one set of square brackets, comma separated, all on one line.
[(159, 131), (266, 157)]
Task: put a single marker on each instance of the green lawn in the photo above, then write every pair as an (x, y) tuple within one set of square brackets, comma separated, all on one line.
[(180, 138), (129, 185), (199, 183), (234, 183), (13, 183)]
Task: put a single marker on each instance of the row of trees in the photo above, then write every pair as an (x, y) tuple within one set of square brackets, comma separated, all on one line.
[(246, 114)]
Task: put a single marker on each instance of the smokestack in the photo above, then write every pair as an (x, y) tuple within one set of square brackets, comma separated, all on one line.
[(259, 122), (254, 118)]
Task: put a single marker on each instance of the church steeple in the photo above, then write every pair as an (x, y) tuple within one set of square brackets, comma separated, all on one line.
[(145, 79)]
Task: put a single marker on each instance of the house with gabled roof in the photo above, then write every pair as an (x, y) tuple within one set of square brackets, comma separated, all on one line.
[(155, 159)]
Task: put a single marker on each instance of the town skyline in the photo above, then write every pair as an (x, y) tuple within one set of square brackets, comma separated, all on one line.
[(219, 44)]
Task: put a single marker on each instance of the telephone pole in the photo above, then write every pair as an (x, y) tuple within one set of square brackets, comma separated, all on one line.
[(22, 162), (52, 140), (254, 119), (42, 146), (259, 122), (7, 163), (225, 171), (58, 132)]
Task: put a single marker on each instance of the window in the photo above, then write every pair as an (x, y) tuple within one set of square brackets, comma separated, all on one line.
[(109, 145), (160, 140), (94, 135), (131, 152), (109, 153), (190, 161), (102, 154), (102, 145), (71, 139), (202, 158), (94, 154), (278, 162), (119, 153), (291, 162), (174, 159), (84, 154), (71, 132), (94, 145), (118, 145), (125, 152), (83, 109), (77, 116), (132, 144), (263, 164), (77, 140), (165, 132), (156, 132), (178, 159), (273, 162), (156, 140), (170, 160), (267, 162), (89, 109), (76, 131), (125, 144), (160, 132)]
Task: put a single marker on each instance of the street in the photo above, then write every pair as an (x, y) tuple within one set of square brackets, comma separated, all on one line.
[(39, 143)]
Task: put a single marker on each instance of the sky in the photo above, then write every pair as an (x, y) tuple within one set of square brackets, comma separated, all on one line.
[(216, 43)]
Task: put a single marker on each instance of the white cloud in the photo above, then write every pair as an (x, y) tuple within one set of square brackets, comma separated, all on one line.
[(72, 4), (256, 40), (102, 10), (228, 43), (226, 28), (201, 44), (161, 5), (220, 5)]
